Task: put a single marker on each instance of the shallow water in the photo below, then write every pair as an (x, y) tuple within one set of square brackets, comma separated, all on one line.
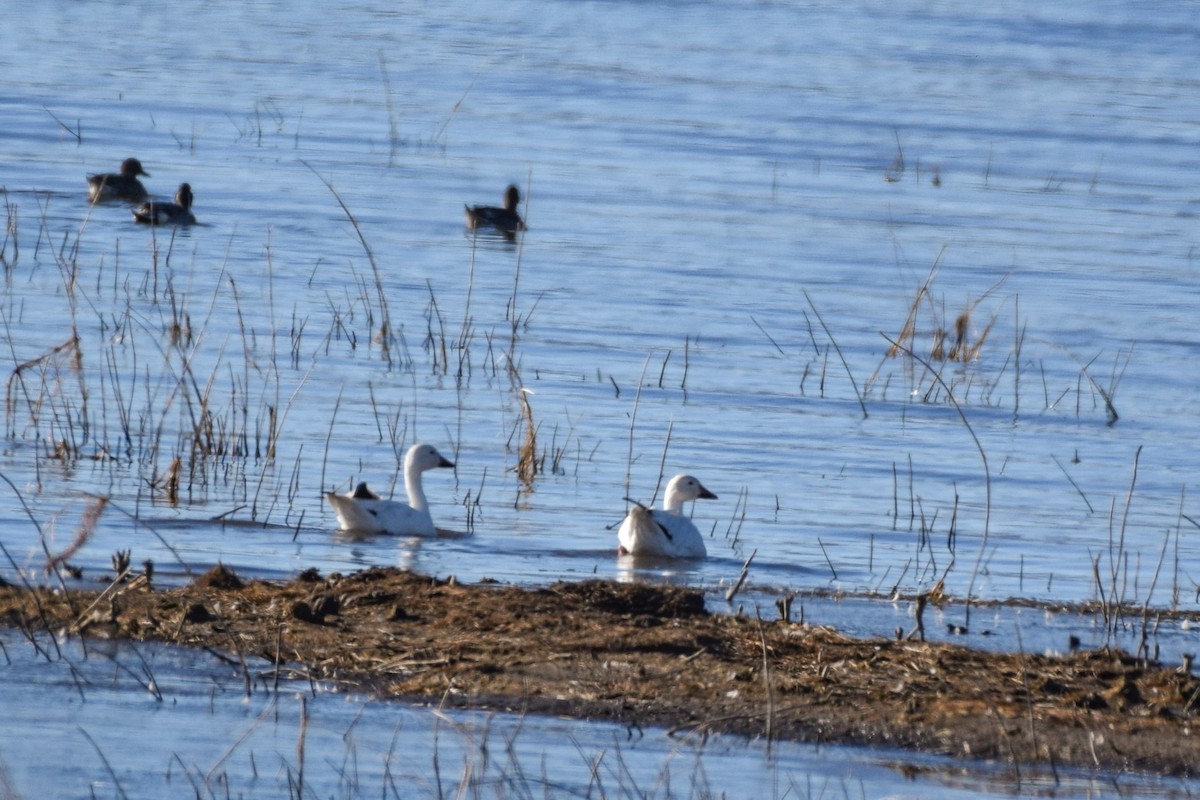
[(729, 206), (164, 721)]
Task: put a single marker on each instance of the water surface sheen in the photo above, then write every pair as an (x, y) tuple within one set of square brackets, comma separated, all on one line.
[(732, 209)]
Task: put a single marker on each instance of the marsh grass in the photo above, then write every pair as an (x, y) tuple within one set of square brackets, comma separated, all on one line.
[(466, 332), (385, 336), (199, 414), (841, 357), (434, 343), (737, 519), (86, 527), (145, 386), (946, 342), (954, 358), (893, 173), (532, 460), (398, 141), (528, 462), (987, 480), (49, 396), (264, 120), (48, 390), (180, 390)]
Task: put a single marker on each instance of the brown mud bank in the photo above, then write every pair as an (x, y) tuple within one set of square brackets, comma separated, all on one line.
[(652, 655)]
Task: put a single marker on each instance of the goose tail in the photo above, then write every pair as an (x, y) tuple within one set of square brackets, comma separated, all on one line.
[(350, 513)]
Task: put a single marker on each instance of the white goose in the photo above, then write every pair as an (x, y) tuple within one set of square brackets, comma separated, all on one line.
[(363, 510), (667, 531)]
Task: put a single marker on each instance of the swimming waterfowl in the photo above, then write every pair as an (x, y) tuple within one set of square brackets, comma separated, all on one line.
[(506, 220), (364, 511), (123, 185), (177, 213), (667, 531)]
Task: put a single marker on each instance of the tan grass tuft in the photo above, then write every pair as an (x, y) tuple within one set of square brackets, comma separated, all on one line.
[(87, 526), (527, 461)]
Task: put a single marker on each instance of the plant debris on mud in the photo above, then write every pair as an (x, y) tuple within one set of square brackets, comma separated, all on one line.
[(652, 655)]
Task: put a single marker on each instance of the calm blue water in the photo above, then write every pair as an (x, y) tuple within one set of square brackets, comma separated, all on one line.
[(717, 195)]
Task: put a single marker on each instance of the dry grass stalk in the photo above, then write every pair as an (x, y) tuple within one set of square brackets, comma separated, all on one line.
[(766, 674), (687, 341), (385, 337), (1107, 394), (784, 604), (637, 397), (737, 518), (737, 586), (87, 526), (170, 485), (527, 459), (435, 341), (892, 174), (300, 747), (964, 351), (122, 561), (65, 357), (107, 765), (987, 477), (908, 330), (838, 349), (961, 350), (961, 325), (10, 236), (938, 351), (919, 614)]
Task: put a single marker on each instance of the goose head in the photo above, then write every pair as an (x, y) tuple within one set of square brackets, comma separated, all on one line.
[(183, 197), (422, 457), (512, 197), (683, 488), (131, 168)]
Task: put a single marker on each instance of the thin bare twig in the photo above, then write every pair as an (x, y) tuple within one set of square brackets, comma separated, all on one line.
[(833, 341), (987, 475)]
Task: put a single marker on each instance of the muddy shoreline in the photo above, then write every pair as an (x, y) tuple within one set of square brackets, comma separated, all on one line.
[(652, 655)]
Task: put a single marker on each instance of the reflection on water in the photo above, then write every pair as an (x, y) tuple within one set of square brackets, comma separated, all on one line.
[(729, 210)]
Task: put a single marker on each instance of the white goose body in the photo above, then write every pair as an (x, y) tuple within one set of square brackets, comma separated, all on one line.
[(666, 532), (364, 511)]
